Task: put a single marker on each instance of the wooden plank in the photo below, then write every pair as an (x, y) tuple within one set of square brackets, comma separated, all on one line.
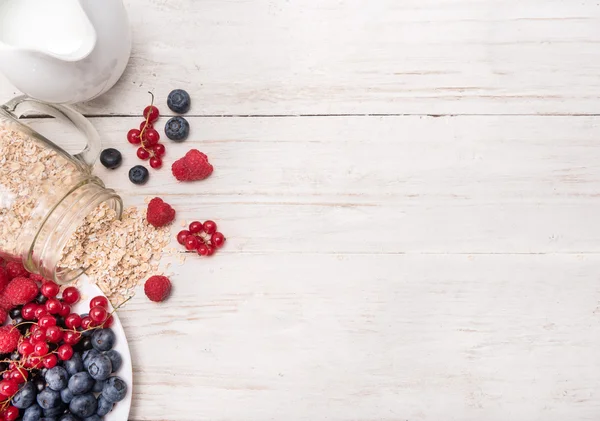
[(371, 337), (360, 56)]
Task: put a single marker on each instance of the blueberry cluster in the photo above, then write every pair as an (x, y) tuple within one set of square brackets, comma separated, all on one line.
[(79, 389)]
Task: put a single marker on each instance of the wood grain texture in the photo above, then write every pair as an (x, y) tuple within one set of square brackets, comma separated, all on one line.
[(437, 263), (362, 56)]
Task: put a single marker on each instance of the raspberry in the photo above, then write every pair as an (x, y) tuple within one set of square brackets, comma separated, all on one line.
[(193, 166), (16, 269), (159, 213), (9, 339), (21, 291), (37, 278), (4, 279), (3, 316), (157, 288)]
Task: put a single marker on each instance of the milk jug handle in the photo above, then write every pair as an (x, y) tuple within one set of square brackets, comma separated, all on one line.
[(22, 105)]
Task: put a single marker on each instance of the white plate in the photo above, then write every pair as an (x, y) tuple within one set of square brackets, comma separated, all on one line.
[(89, 291)]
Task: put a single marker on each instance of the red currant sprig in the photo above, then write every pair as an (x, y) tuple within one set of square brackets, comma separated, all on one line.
[(148, 138), (201, 237)]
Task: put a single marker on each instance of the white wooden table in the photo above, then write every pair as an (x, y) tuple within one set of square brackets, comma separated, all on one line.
[(410, 191)]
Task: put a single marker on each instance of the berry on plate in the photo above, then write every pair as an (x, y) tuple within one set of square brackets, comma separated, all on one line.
[(159, 213), (157, 288), (193, 166), (177, 129), (179, 101)]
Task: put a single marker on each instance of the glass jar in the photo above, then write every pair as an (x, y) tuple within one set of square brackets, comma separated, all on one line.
[(46, 193)]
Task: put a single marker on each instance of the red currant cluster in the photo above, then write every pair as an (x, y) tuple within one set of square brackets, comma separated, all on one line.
[(201, 237), (148, 138)]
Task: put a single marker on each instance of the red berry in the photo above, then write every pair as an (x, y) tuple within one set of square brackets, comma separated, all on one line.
[(11, 414), (38, 336), (40, 348), (109, 322), (211, 250), (5, 375), (146, 126), (98, 314), (19, 375), (142, 153), (153, 113), (158, 150), (53, 306), (50, 289), (133, 137), (151, 137), (28, 311), (8, 387), (50, 361), (202, 250), (191, 242), (196, 227), (70, 295), (99, 301), (25, 348), (155, 162), (40, 311), (65, 310), (86, 323), (73, 321), (54, 334), (210, 227), (157, 288), (46, 321), (65, 352), (71, 337), (181, 236), (217, 240)]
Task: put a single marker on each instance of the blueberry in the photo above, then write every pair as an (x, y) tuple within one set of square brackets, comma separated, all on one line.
[(25, 397), (68, 417), (39, 383), (93, 418), (48, 419), (115, 389), (56, 411), (66, 395), (33, 413), (15, 312), (99, 367), (103, 339), (41, 299), (81, 383), (177, 129), (60, 322), (179, 101), (115, 359), (83, 405), (75, 364), (84, 344), (98, 386), (138, 174), (87, 355), (57, 378), (111, 158), (48, 398), (15, 356), (104, 406)]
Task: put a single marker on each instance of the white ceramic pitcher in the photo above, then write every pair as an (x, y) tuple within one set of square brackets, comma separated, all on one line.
[(63, 51)]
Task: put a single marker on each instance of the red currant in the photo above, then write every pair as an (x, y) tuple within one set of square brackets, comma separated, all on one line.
[(50, 361), (50, 289), (151, 137), (53, 306), (8, 387), (46, 321), (196, 227), (159, 150), (109, 322), (98, 314), (151, 113), (202, 250), (54, 334), (65, 310), (210, 227), (211, 250), (86, 323), (181, 236), (28, 311), (38, 336), (99, 301), (11, 414), (155, 162), (65, 352), (25, 348), (70, 295), (133, 137), (73, 321), (40, 311), (71, 337), (191, 242), (143, 154), (144, 126), (217, 240), (19, 375), (36, 362), (40, 348)]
